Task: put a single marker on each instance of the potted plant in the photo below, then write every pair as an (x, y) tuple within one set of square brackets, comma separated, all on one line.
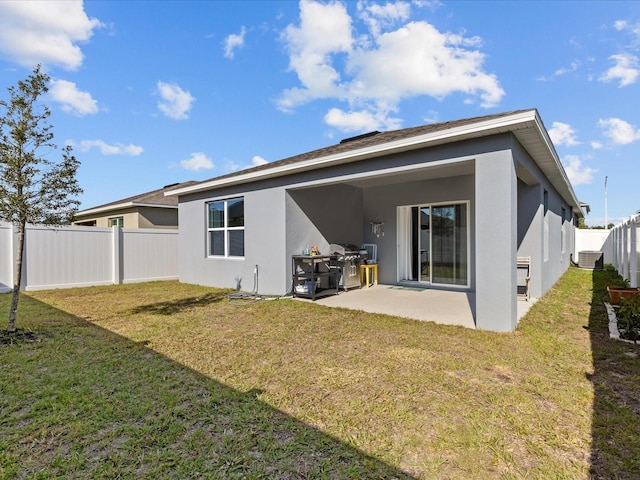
[(617, 292), (628, 318), (621, 289)]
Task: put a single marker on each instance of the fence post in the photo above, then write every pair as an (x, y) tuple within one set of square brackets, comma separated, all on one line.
[(117, 255), (633, 254)]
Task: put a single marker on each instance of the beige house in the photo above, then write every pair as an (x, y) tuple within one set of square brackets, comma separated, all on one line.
[(147, 210)]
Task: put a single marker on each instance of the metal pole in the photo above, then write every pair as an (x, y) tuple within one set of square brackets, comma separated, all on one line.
[(606, 216)]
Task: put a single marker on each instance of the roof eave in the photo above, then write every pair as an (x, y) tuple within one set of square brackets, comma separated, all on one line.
[(508, 123), (480, 128), (122, 206)]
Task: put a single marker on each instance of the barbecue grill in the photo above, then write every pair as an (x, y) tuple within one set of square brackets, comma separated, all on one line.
[(348, 258)]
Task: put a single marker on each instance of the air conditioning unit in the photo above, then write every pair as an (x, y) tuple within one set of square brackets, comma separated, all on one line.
[(590, 259)]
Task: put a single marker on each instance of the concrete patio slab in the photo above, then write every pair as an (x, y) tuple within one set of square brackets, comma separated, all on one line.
[(431, 305)]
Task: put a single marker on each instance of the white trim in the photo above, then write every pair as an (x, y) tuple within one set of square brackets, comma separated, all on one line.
[(225, 229)]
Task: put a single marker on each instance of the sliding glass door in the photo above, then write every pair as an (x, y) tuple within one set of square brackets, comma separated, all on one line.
[(434, 244)]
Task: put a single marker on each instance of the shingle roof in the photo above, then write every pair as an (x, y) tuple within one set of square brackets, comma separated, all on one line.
[(369, 140), (154, 197)]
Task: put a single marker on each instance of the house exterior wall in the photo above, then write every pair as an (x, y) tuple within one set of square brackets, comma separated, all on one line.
[(540, 232), (152, 217), (503, 186), (135, 217), (264, 243)]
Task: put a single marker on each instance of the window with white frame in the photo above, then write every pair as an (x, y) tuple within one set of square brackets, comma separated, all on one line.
[(225, 228)]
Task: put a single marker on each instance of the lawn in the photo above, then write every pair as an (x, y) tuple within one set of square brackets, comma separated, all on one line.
[(166, 380)]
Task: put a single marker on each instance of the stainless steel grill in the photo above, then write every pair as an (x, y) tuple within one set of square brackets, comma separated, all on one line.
[(347, 257)]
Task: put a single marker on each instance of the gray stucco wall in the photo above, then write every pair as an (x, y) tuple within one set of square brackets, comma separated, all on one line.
[(337, 204), (264, 245), (545, 272)]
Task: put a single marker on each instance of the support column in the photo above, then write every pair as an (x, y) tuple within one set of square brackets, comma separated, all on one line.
[(496, 224)]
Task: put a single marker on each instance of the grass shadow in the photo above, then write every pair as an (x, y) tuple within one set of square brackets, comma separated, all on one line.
[(85, 402), (175, 306), (615, 452)]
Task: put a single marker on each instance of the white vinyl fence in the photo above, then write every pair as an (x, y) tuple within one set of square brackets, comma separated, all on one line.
[(623, 242), (64, 257)]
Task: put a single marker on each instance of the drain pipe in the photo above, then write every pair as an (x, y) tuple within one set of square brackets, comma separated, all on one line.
[(255, 280)]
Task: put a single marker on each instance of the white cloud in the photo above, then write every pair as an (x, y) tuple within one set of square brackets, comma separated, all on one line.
[(383, 16), (71, 99), (198, 161), (45, 32), (578, 174), (626, 70), (563, 134), (106, 149), (258, 160), (633, 28), (176, 102), (383, 66), (233, 42), (619, 131), (323, 30), (596, 145)]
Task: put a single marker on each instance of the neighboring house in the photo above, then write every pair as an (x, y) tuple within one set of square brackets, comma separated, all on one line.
[(147, 210), (454, 203)]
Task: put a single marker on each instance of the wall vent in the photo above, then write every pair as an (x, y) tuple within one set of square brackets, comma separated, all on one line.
[(358, 137)]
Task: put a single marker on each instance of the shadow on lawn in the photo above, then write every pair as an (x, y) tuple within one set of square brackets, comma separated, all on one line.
[(615, 451), (173, 307), (85, 402)]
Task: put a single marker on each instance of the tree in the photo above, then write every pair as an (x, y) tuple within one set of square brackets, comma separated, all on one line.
[(33, 188)]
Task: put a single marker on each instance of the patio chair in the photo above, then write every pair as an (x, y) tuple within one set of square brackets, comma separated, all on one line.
[(372, 252), (524, 276)]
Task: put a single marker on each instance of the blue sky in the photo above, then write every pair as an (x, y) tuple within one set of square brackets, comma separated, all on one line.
[(152, 93)]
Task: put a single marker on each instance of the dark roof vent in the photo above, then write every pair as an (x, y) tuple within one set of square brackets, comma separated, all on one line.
[(171, 185), (358, 137)]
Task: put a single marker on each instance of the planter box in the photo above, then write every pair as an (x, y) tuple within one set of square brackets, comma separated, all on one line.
[(616, 293)]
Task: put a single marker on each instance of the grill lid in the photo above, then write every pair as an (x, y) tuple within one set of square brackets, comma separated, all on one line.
[(344, 248)]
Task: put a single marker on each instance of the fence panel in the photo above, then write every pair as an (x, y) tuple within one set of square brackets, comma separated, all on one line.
[(68, 257), (6, 257), (624, 243), (149, 254), (64, 257)]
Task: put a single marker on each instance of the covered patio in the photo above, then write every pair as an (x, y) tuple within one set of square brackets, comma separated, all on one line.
[(425, 304)]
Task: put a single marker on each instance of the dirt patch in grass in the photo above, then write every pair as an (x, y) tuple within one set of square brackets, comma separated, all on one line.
[(19, 336)]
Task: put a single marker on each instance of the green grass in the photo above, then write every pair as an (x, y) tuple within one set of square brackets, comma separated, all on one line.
[(165, 380)]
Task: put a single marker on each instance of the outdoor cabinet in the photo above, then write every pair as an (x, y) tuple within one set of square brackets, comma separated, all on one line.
[(315, 276)]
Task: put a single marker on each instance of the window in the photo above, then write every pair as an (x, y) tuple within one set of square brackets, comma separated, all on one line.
[(116, 222), (545, 238), (434, 244), (225, 228), (563, 234)]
